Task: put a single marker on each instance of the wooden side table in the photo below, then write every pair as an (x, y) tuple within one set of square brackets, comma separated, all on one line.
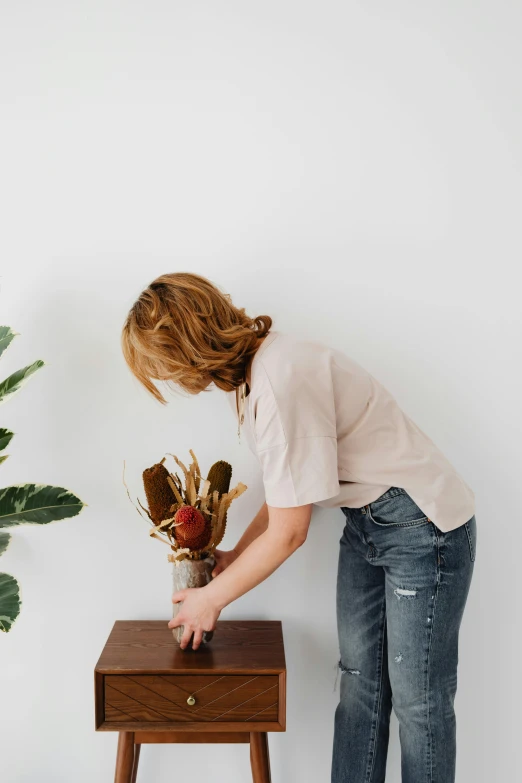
[(232, 690)]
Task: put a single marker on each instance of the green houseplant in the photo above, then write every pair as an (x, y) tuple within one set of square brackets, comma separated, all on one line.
[(34, 504)]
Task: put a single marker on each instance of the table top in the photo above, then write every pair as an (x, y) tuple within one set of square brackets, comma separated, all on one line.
[(237, 646)]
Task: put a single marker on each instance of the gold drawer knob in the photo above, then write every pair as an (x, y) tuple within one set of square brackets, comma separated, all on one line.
[(191, 700)]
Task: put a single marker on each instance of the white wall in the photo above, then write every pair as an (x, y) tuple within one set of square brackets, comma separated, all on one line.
[(352, 169)]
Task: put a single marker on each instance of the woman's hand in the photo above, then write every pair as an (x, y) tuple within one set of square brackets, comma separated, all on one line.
[(223, 558), (199, 613)]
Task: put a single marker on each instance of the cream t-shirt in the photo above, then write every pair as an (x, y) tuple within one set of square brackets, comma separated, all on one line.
[(327, 432)]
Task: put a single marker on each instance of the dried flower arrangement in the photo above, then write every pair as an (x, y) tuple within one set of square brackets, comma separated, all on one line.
[(190, 518)]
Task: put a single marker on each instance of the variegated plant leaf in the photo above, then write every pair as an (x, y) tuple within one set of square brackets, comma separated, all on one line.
[(3, 458), (5, 438), (6, 337), (4, 542), (9, 601), (36, 504), (17, 379)]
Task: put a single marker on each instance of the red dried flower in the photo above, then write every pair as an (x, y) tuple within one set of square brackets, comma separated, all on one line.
[(192, 524)]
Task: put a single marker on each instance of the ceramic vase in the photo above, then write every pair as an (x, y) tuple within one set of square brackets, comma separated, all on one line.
[(190, 573)]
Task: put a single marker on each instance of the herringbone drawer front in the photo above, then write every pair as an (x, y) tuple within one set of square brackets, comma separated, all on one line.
[(187, 698)]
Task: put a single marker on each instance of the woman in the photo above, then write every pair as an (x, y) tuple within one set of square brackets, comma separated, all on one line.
[(326, 432)]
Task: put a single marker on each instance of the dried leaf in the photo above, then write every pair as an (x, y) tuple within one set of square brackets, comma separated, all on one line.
[(131, 500), (180, 554), (204, 489), (164, 523), (191, 490), (175, 490), (153, 534), (146, 511), (178, 482), (180, 463), (196, 469)]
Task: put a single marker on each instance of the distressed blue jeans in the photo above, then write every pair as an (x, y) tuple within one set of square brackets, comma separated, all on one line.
[(402, 586)]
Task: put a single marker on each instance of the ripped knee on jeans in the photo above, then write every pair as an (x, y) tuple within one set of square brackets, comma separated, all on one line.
[(339, 667), (402, 592), (345, 670)]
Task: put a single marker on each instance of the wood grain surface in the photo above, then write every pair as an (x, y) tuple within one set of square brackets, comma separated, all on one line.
[(164, 698), (238, 646)]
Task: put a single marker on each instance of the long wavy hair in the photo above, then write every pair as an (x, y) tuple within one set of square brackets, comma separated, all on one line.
[(184, 330)]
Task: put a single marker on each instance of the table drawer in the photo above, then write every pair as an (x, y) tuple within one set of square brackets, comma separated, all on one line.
[(180, 698)]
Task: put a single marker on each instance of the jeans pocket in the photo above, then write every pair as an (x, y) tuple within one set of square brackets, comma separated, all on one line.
[(397, 511), (471, 530)]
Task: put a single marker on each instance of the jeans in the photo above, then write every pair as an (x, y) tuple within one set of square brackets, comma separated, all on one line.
[(402, 585)]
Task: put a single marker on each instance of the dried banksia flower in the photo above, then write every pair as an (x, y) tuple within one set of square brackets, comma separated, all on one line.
[(190, 522), (197, 542), (191, 529), (189, 516), (160, 497), (219, 477)]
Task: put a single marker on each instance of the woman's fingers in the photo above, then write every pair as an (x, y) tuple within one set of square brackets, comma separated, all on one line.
[(223, 559), (198, 636), (185, 639), (218, 556)]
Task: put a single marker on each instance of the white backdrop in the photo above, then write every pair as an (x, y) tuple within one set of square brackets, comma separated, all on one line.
[(351, 169)]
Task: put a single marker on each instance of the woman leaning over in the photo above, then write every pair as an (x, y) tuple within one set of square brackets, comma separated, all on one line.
[(326, 432)]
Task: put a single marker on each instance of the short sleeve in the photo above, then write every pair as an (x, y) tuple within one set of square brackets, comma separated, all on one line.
[(295, 437), (303, 470)]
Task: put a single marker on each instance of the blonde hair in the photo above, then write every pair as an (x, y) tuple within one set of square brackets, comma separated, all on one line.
[(183, 329)]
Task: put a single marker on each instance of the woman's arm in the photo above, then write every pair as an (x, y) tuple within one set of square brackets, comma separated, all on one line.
[(258, 525), (286, 531)]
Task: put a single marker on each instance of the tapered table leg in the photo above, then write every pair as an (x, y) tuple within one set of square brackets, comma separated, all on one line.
[(137, 749), (259, 757), (124, 757)]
